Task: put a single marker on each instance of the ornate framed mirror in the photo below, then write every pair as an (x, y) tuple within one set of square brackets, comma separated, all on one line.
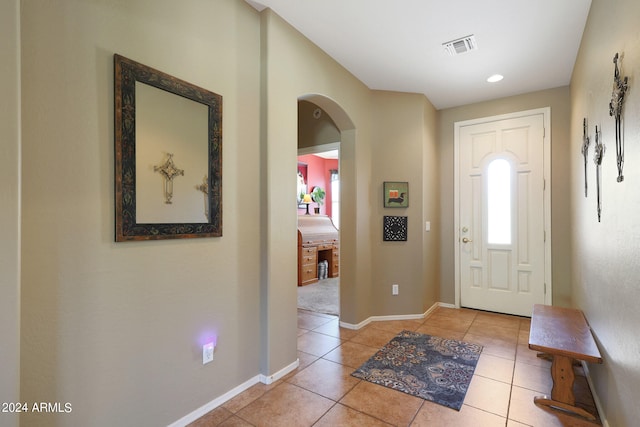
[(168, 156)]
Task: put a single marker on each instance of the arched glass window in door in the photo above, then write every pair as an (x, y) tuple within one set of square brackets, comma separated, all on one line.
[(499, 202)]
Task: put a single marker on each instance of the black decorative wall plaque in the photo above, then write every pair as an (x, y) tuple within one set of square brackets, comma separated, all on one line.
[(395, 228)]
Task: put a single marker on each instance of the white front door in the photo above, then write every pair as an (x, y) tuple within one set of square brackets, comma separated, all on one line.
[(501, 248)]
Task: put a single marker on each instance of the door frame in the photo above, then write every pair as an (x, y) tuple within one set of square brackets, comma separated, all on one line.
[(546, 114)]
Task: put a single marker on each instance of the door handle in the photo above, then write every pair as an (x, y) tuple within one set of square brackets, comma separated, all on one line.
[(465, 240)]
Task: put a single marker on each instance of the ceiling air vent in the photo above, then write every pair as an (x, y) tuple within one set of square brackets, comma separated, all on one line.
[(463, 45)]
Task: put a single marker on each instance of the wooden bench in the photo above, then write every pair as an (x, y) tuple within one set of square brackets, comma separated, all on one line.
[(564, 335)]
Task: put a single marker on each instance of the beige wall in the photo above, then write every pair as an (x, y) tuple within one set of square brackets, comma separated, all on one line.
[(108, 325), (432, 253), (605, 254), (9, 207), (122, 324), (116, 329), (558, 100), (315, 131), (403, 133), (296, 68)]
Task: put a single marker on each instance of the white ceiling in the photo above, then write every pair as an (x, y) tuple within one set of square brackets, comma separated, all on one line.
[(396, 45)]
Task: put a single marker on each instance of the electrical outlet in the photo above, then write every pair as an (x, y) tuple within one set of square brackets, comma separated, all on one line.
[(207, 353), (394, 289)]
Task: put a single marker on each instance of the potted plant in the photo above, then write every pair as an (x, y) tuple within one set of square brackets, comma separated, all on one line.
[(318, 196)]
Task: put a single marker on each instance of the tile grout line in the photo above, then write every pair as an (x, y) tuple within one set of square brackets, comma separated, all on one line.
[(513, 374)]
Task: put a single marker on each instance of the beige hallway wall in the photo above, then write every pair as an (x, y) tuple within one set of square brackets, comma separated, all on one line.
[(116, 329), (9, 207), (372, 151), (402, 147), (605, 254)]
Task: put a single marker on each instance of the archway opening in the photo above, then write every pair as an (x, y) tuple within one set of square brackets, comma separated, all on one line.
[(324, 129)]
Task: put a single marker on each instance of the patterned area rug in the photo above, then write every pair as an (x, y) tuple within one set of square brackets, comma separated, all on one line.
[(432, 368)]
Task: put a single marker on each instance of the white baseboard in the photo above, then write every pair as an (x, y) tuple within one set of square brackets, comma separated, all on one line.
[(596, 399), (208, 407), (269, 379), (355, 326), (393, 317), (446, 305)]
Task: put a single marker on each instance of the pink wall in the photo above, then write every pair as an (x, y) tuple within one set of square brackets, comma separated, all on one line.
[(319, 174)]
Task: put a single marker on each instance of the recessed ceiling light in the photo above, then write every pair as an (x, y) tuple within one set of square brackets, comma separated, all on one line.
[(495, 78)]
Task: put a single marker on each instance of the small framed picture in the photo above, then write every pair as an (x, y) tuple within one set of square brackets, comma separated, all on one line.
[(396, 194)]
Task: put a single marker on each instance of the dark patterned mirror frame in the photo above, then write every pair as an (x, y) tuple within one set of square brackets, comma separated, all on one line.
[(126, 74)]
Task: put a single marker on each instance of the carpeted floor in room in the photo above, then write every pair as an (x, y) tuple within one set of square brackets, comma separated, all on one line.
[(321, 297)]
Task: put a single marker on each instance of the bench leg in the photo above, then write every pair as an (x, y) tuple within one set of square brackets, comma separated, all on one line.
[(562, 392), (563, 377), (544, 400)]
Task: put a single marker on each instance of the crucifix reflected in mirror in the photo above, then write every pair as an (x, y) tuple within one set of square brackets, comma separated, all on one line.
[(169, 171)]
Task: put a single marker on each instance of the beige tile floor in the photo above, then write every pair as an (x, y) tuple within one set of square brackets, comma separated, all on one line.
[(322, 392)]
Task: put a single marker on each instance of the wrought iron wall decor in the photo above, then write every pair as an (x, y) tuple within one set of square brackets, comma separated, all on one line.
[(620, 87), (585, 151), (597, 158), (128, 74), (394, 228)]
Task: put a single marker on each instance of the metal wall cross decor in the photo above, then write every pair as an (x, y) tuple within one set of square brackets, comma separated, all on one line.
[(620, 87), (169, 171), (597, 158), (585, 151)]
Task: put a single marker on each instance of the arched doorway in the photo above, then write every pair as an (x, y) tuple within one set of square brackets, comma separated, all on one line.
[(326, 126)]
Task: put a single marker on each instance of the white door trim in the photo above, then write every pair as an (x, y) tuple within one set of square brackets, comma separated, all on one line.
[(546, 113)]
